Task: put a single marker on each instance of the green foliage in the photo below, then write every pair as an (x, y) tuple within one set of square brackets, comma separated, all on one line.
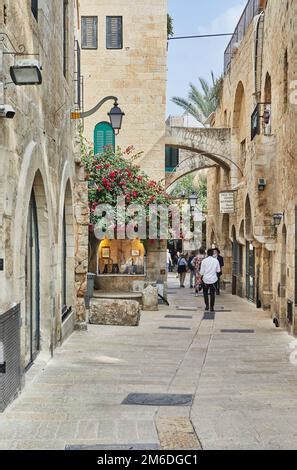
[(187, 186), (201, 104), (170, 31), (114, 173)]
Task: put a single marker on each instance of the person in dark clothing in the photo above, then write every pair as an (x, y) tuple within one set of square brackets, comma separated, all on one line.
[(182, 267), (217, 255), (192, 269)]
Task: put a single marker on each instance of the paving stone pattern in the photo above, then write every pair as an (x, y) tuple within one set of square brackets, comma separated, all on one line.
[(243, 385)]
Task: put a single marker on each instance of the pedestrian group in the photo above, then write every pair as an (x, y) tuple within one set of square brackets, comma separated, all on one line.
[(205, 271)]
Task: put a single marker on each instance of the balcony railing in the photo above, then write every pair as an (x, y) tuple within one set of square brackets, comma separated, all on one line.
[(252, 8)]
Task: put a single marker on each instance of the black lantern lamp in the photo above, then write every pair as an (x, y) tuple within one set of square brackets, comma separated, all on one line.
[(116, 116), (193, 201), (277, 218)]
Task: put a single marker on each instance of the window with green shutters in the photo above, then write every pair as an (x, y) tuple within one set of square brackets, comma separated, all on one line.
[(89, 32), (114, 32), (103, 136)]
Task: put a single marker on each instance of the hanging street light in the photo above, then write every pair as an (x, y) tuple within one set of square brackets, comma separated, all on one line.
[(115, 114), (116, 117)]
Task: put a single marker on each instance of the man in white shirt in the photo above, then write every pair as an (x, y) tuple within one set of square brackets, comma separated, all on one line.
[(210, 267), (168, 260)]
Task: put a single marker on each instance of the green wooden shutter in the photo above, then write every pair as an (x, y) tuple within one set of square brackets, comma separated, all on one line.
[(103, 136)]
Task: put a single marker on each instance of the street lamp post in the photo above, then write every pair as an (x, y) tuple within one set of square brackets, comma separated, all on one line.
[(192, 201), (115, 114)]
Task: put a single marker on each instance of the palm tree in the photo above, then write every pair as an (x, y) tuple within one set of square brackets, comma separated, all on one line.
[(201, 105)]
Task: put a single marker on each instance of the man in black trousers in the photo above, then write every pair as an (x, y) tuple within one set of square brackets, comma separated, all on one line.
[(210, 267)]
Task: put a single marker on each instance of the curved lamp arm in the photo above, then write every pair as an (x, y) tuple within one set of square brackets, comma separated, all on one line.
[(78, 115)]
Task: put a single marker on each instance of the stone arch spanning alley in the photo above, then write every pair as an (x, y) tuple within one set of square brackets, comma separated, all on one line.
[(211, 147)]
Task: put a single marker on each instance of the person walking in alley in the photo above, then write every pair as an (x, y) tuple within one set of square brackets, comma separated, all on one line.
[(217, 255), (210, 267), (192, 269), (169, 262), (182, 269), (196, 263)]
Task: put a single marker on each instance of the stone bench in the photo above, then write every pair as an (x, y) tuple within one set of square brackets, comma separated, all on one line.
[(114, 311)]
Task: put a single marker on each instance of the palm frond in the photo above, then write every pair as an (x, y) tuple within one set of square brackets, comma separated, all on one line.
[(204, 85), (200, 104), (189, 107)]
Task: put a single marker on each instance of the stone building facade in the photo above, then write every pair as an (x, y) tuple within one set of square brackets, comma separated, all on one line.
[(124, 51), (43, 207), (259, 106)]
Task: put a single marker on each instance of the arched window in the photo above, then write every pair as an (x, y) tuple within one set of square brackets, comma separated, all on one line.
[(267, 105), (103, 136), (248, 220)]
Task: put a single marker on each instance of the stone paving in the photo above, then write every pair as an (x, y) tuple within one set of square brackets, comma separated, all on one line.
[(244, 384)]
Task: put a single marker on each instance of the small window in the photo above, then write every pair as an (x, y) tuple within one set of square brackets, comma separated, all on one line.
[(89, 32), (171, 159), (114, 32), (103, 137), (34, 8), (243, 151)]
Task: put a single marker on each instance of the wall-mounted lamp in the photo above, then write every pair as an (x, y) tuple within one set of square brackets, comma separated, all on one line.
[(26, 72), (277, 218), (261, 184), (23, 72)]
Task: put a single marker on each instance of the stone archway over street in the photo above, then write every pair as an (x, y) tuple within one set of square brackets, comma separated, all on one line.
[(211, 146)]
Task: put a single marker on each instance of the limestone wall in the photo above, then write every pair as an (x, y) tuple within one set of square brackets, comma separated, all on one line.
[(135, 74), (271, 156), (37, 151)]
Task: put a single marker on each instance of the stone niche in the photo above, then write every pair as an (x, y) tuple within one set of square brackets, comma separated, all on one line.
[(114, 312)]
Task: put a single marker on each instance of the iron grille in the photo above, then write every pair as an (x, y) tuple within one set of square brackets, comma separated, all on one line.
[(252, 9), (10, 370)]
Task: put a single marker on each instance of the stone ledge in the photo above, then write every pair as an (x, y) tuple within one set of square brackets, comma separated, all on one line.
[(114, 312)]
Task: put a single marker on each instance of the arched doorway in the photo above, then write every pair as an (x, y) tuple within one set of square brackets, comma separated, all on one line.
[(67, 258), (32, 285), (37, 313), (236, 264)]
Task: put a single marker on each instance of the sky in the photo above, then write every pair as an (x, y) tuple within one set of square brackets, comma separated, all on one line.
[(189, 59)]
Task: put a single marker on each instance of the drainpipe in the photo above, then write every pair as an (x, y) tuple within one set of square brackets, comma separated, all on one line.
[(1, 77)]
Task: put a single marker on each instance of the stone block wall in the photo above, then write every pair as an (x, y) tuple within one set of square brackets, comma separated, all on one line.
[(37, 152), (271, 156), (136, 74)]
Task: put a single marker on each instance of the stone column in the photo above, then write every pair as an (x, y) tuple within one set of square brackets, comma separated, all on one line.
[(81, 214)]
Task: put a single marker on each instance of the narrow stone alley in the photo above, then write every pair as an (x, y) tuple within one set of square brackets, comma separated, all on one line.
[(236, 365)]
